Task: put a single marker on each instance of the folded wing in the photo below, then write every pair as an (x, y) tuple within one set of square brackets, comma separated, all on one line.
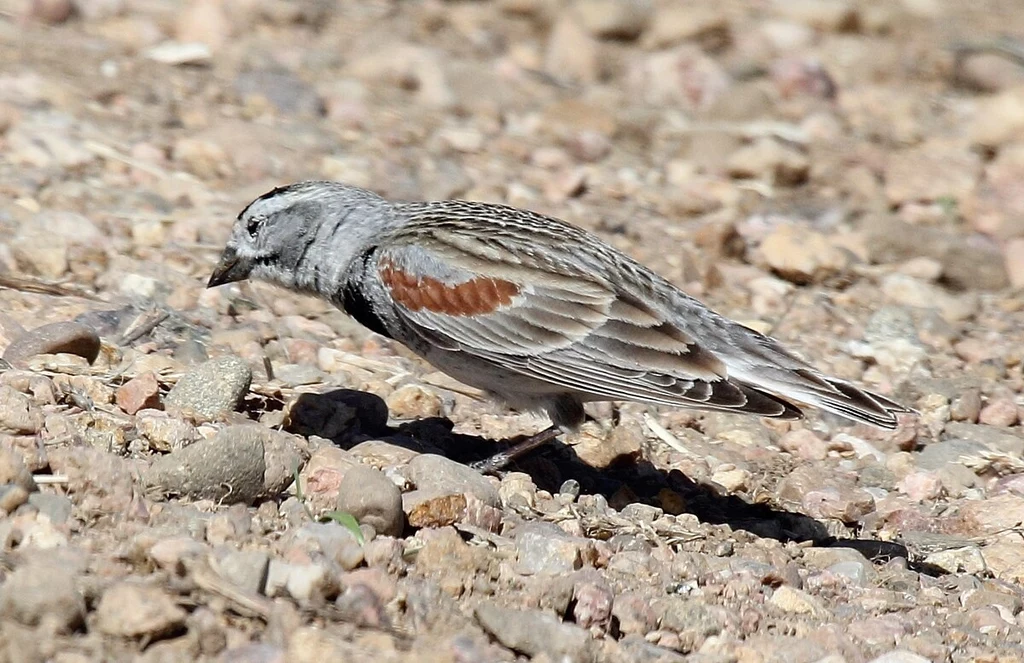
[(490, 295)]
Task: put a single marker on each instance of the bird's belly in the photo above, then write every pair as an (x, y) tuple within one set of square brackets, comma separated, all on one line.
[(483, 374)]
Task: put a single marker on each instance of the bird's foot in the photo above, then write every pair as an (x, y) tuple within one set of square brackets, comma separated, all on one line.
[(501, 459)]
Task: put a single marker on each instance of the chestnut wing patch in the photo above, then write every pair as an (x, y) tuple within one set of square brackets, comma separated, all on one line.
[(477, 296), (457, 301)]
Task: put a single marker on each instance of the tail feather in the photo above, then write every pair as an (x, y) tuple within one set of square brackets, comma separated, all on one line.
[(767, 405), (862, 405), (803, 384), (762, 362), (836, 396)]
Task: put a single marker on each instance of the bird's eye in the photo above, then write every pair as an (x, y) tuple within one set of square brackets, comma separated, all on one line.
[(253, 227)]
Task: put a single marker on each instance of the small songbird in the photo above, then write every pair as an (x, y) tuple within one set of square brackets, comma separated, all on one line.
[(537, 312)]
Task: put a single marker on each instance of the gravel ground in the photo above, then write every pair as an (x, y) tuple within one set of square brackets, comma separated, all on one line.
[(243, 475)]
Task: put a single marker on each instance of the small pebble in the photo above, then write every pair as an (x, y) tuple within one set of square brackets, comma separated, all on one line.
[(373, 499), (593, 602), (301, 582), (140, 392), (921, 486), (427, 509), (414, 402), (790, 599), (14, 472), (804, 444), (999, 412), (52, 11), (134, 610), (164, 432), (966, 406), (11, 497), (247, 569), (899, 656), (634, 613), (361, 606), (171, 553), (546, 550), (570, 487)]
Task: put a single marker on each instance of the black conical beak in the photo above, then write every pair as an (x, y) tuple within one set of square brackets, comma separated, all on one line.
[(231, 268)]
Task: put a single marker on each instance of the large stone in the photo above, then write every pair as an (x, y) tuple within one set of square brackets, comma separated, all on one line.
[(58, 337), (228, 467), (45, 594)]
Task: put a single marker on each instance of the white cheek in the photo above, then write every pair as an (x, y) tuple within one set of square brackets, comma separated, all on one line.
[(273, 274)]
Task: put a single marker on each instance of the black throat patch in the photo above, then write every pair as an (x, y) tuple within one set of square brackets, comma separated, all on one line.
[(355, 303)]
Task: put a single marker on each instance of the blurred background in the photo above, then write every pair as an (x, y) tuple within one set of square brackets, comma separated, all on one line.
[(805, 137)]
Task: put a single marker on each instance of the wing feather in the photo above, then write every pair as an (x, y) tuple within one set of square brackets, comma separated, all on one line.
[(576, 316), (573, 332)]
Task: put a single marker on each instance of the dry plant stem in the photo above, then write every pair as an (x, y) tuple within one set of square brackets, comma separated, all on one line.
[(501, 460)]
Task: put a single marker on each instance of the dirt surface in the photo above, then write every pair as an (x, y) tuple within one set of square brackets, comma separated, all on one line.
[(846, 174)]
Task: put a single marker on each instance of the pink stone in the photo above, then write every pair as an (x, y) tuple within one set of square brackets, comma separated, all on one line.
[(142, 391)]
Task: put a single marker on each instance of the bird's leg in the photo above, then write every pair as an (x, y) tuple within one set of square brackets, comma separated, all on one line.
[(501, 459)]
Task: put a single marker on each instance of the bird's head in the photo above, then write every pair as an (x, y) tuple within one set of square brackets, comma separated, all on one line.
[(291, 231)]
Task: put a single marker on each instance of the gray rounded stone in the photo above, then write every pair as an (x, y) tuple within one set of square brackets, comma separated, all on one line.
[(532, 632), (228, 467), (38, 593), (246, 569), (211, 389), (372, 499), (442, 476), (55, 507)]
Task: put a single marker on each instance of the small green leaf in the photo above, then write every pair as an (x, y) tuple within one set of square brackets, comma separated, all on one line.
[(346, 520), (949, 206)]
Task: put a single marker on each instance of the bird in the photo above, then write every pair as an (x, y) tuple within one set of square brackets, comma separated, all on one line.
[(536, 312)]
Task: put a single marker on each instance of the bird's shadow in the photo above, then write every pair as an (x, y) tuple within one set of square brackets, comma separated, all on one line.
[(348, 417)]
